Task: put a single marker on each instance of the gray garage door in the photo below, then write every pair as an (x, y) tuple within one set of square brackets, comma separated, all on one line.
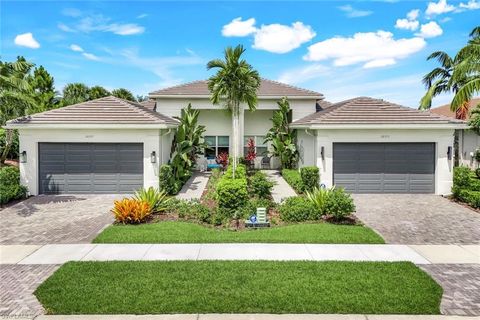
[(384, 167), (90, 167)]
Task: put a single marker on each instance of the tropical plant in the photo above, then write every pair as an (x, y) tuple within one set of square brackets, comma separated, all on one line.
[(8, 144), (310, 177), (222, 159), (75, 93), (474, 121), (123, 93), (319, 197), (44, 93), (298, 209), (156, 199), (339, 204), (260, 185), (10, 187), (459, 75), (187, 144), (130, 211), (251, 154), (97, 92), (282, 138), (235, 83)]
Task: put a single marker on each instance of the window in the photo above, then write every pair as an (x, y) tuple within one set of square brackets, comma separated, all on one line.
[(260, 147), (217, 145)]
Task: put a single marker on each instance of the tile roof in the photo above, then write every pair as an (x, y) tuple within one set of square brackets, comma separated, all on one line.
[(446, 112), (107, 110), (365, 110), (267, 88), (149, 104)]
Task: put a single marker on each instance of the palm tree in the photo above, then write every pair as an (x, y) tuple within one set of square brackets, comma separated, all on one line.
[(75, 93), (123, 93), (97, 92), (235, 83)]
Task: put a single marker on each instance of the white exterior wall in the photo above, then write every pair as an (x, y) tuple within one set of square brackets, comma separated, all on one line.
[(306, 147), (442, 139), (29, 139), (468, 142)]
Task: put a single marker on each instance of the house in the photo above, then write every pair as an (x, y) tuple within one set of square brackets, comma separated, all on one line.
[(468, 141), (111, 145)]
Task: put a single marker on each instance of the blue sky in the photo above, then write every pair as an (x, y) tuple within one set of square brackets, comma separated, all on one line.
[(339, 48)]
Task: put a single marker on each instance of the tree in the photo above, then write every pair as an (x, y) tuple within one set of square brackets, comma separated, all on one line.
[(75, 93), (97, 92), (282, 138), (459, 75), (235, 83), (474, 121), (141, 98), (42, 84), (123, 94)]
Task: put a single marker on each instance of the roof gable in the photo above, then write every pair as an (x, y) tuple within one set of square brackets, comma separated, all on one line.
[(107, 110), (268, 88), (366, 110)]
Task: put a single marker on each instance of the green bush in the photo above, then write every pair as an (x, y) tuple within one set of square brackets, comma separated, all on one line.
[(310, 178), (470, 197), (240, 172), (461, 177), (293, 178), (156, 199), (232, 194), (260, 186), (319, 197), (477, 172), (192, 209), (339, 204), (252, 205), (13, 151), (167, 180), (297, 209), (10, 188)]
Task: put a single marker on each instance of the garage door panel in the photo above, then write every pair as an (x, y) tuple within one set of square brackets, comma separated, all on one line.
[(90, 167), (393, 168)]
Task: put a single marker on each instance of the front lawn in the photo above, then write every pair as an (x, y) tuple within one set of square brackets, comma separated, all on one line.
[(141, 287), (187, 232)]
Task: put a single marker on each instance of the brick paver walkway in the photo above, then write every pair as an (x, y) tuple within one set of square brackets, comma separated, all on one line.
[(17, 284), (461, 287), (56, 219), (418, 219)]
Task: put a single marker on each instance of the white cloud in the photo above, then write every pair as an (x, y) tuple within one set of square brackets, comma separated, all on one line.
[(374, 49), (26, 40), (413, 14), (141, 16), (407, 24), (435, 8), (278, 38), (239, 28), (303, 74), (65, 28), (98, 22), (90, 56), (430, 30), (470, 5), (75, 47), (125, 29), (351, 12), (71, 12)]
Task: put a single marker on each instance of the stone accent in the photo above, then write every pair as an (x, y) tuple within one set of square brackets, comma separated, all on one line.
[(461, 287), (418, 218)]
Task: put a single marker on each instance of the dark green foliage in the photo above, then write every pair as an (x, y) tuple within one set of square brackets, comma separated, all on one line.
[(474, 121), (469, 196), (298, 209), (167, 180), (466, 186), (123, 93), (293, 178), (97, 92), (254, 203), (190, 210), (260, 186), (10, 188), (232, 194), (339, 204), (75, 93), (240, 173), (9, 146), (310, 178), (277, 287), (461, 177), (477, 172)]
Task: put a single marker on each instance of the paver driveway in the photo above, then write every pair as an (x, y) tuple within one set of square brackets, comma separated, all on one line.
[(56, 219), (418, 219)]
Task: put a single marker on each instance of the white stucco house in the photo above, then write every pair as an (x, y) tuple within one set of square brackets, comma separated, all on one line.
[(111, 145), (468, 140)]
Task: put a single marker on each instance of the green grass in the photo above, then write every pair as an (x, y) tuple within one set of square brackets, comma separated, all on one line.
[(186, 232), (145, 287)]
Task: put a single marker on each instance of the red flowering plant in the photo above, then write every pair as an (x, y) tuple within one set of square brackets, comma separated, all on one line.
[(222, 159), (251, 154)]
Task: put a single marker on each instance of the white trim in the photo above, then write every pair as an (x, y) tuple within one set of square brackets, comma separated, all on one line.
[(87, 126), (381, 126), (183, 96)]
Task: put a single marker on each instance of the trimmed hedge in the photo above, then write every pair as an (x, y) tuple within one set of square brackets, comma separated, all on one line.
[(471, 197), (293, 178), (310, 178), (10, 188), (298, 209), (260, 186), (167, 180), (466, 186), (232, 194)]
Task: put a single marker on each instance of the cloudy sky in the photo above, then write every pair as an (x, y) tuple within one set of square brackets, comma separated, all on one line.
[(341, 49)]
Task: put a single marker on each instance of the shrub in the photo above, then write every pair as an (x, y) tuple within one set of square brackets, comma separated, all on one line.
[(13, 148), (240, 172), (470, 197), (339, 204), (260, 186), (310, 178), (232, 194), (297, 209), (461, 177), (477, 172), (131, 211), (156, 199), (319, 198), (10, 188), (252, 205), (167, 179), (294, 179)]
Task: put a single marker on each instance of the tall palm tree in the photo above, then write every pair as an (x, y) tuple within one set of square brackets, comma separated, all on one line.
[(75, 93), (234, 84)]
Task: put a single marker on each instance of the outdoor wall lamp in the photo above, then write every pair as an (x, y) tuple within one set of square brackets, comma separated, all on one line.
[(23, 157), (322, 153), (153, 157), (449, 153)]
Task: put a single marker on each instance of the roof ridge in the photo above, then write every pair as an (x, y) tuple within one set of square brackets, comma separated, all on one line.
[(178, 86), (154, 115), (291, 86)]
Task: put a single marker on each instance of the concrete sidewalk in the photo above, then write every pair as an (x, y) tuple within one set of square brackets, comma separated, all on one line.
[(281, 189), (194, 187), (254, 317), (61, 253)]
